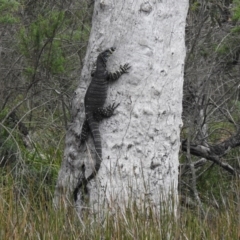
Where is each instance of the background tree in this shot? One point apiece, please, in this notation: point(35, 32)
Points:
point(211, 99)
point(141, 143)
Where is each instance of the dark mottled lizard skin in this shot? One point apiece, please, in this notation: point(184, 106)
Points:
point(95, 111)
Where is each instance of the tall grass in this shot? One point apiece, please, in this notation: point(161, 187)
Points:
point(31, 216)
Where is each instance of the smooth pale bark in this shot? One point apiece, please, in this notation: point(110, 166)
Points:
point(141, 141)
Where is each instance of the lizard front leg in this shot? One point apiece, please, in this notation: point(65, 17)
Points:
point(106, 112)
point(115, 75)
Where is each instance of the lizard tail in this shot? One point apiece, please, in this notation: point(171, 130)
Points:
point(94, 128)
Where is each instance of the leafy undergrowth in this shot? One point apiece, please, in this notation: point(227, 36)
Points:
point(30, 215)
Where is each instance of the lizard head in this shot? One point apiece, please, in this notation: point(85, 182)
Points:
point(105, 54)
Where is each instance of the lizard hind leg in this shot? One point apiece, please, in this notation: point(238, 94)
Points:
point(105, 112)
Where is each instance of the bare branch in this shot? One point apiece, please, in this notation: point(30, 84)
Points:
point(210, 153)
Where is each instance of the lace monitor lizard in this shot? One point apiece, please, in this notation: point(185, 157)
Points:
point(95, 111)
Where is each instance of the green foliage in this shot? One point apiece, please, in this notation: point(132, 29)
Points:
point(204, 52)
point(220, 131)
point(212, 183)
point(29, 71)
point(228, 49)
point(195, 6)
point(236, 10)
point(40, 172)
point(7, 10)
point(229, 44)
point(10, 141)
point(56, 59)
point(41, 41)
point(222, 49)
point(236, 30)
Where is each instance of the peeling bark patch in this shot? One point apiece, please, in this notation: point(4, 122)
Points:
point(129, 146)
point(163, 73)
point(154, 165)
point(105, 5)
point(146, 7)
point(146, 49)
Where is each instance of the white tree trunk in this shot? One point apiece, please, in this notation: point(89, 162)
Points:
point(141, 141)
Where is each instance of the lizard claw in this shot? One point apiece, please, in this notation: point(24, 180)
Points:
point(114, 107)
point(125, 67)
